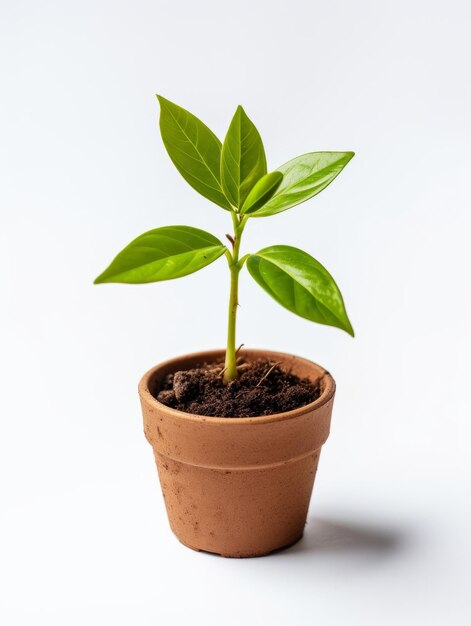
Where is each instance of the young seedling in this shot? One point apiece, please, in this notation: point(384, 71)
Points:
point(234, 176)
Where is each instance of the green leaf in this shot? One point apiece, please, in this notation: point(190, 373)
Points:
point(194, 149)
point(262, 191)
point(301, 284)
point(243, 158)
point(304, 177)
point(162, 254)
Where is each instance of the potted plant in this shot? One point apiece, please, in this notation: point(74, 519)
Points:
point(237, 434)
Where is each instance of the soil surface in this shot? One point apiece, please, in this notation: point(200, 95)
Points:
point(262, 388)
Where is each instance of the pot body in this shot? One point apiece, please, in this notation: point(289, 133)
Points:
point(237, 487)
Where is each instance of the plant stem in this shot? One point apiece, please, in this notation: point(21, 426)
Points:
point(230, 369)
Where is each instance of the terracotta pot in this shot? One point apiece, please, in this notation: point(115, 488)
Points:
point(238, 487)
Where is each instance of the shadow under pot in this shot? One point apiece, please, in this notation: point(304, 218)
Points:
point(238, 487)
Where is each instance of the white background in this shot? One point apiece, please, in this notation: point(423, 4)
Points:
point(83, 532)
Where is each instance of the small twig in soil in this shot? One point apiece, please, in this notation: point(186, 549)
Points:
point(239, 348)
point(243, 367)
point(267, 373)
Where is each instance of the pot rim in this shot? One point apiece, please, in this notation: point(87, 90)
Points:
point(326, 394)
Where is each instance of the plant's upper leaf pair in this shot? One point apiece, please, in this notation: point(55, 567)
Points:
point(225, 173)
point(234, 174)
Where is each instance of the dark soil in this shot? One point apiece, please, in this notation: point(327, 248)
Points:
point(262, 388)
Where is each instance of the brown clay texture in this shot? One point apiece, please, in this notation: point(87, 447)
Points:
point(238, 487)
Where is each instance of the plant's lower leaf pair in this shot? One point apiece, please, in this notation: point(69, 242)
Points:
point(292, 277)
point(234, 174)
